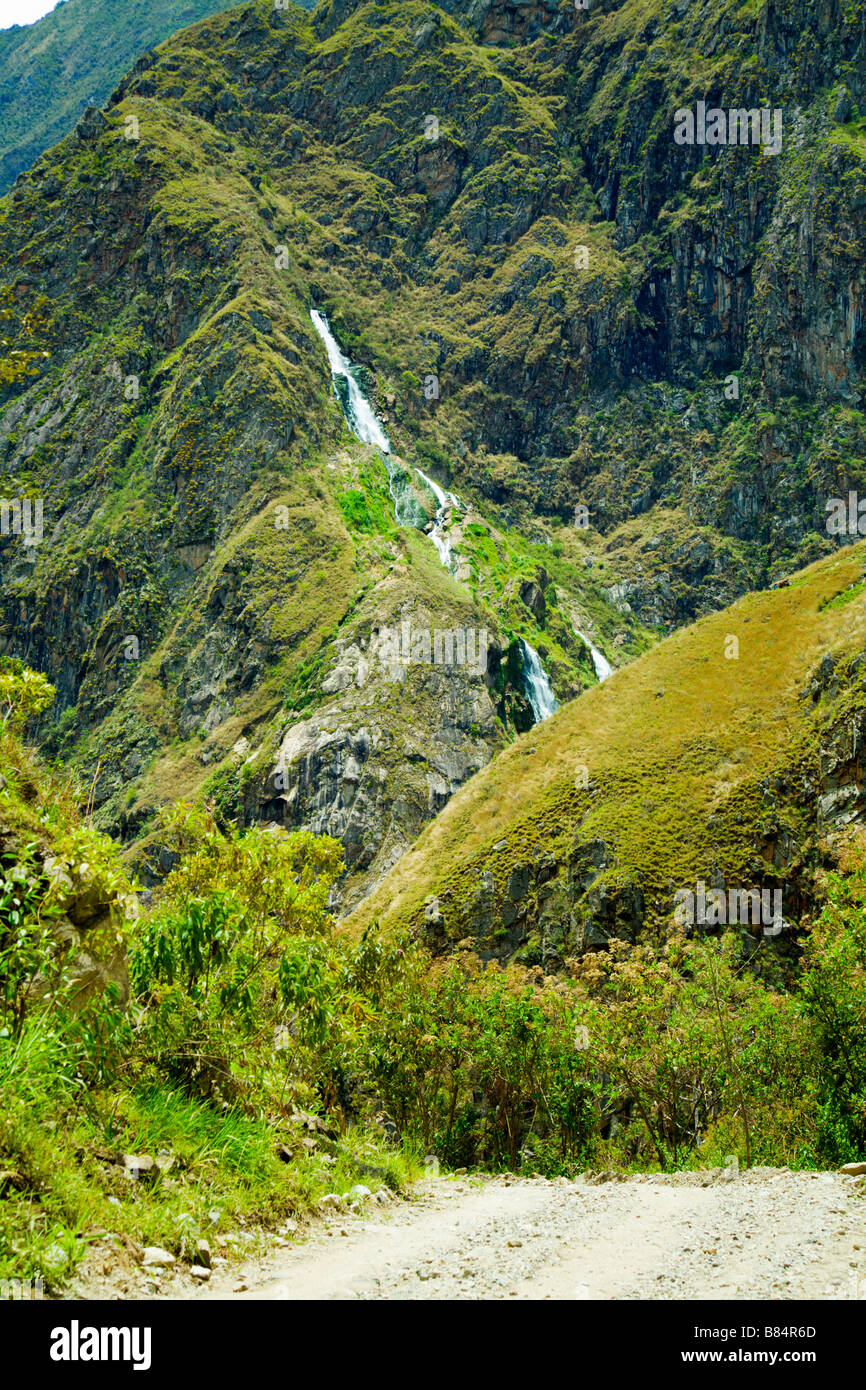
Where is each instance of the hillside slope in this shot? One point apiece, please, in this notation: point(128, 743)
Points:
point(730, 755)
point(70, 59)
point(223, 553)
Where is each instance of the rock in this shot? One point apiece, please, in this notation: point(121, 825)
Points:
point(203, 1254)
point(359, 1190)
point(314, 1123)
point(155, 1255)
point(853, 1170)
point(432, 915)
point(842, 109)
point(532, 596)
point(518, 883)
point(200, 1272)
point(91, 124)
point(140, 1167)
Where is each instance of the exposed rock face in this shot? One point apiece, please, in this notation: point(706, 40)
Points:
point(373, 784)
point(667, 336)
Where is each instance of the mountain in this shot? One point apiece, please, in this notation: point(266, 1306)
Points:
point(728, 756)
point(627, 366)
point(434, 429)
point(52, 70)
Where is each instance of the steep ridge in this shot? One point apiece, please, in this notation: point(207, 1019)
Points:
point(731, 755)
point(588, 333)
point(50, 71)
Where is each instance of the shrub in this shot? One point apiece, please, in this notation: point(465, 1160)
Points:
point(834, 997)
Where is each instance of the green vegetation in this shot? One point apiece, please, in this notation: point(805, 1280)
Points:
point(22, 350)
point(224, 555)
point(174, 1054)
point(44, 96)
point(242, 1010)
point(678, 747)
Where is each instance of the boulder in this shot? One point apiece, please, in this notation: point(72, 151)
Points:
point(140, 1167)
point(155, 1255)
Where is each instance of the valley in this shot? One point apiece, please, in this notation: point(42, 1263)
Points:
point(433, 716)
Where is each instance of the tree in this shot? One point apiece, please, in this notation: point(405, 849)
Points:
point(24, 694)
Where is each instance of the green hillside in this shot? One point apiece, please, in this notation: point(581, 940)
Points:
point(70, 59)
point(634, 442)
point(419, 583)
point(727, 755)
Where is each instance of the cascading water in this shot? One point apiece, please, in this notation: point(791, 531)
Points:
point(359, 414)
point(603, 668)
point(536, 685)
point(445, 500)
point(367, 427)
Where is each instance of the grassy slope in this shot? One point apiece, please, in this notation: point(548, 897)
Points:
point(677, 744)
point(51, 70)
point(62, 1184)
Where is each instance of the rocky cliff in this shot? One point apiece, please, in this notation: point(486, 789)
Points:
point(729, 759)
point(635, 360)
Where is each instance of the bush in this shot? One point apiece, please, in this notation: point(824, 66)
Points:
point(24, 694)
point(834, 996)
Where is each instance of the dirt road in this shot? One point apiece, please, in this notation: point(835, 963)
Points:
point(768, 1234)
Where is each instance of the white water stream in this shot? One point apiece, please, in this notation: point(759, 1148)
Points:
point(367, 427)
point(603, 668)
point(536, 684)
point(445, 501)
point(360, 416)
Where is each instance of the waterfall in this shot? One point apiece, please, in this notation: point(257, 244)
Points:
point(603, 668)
point(365, 424)
point(444, 500)
point(360, 417)
point(367, 427)
point(536, 685)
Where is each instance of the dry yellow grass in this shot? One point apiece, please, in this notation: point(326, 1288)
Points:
point(676, 746)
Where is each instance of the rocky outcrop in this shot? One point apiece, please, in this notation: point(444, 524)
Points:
point(379, 760)
point(562, 310)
